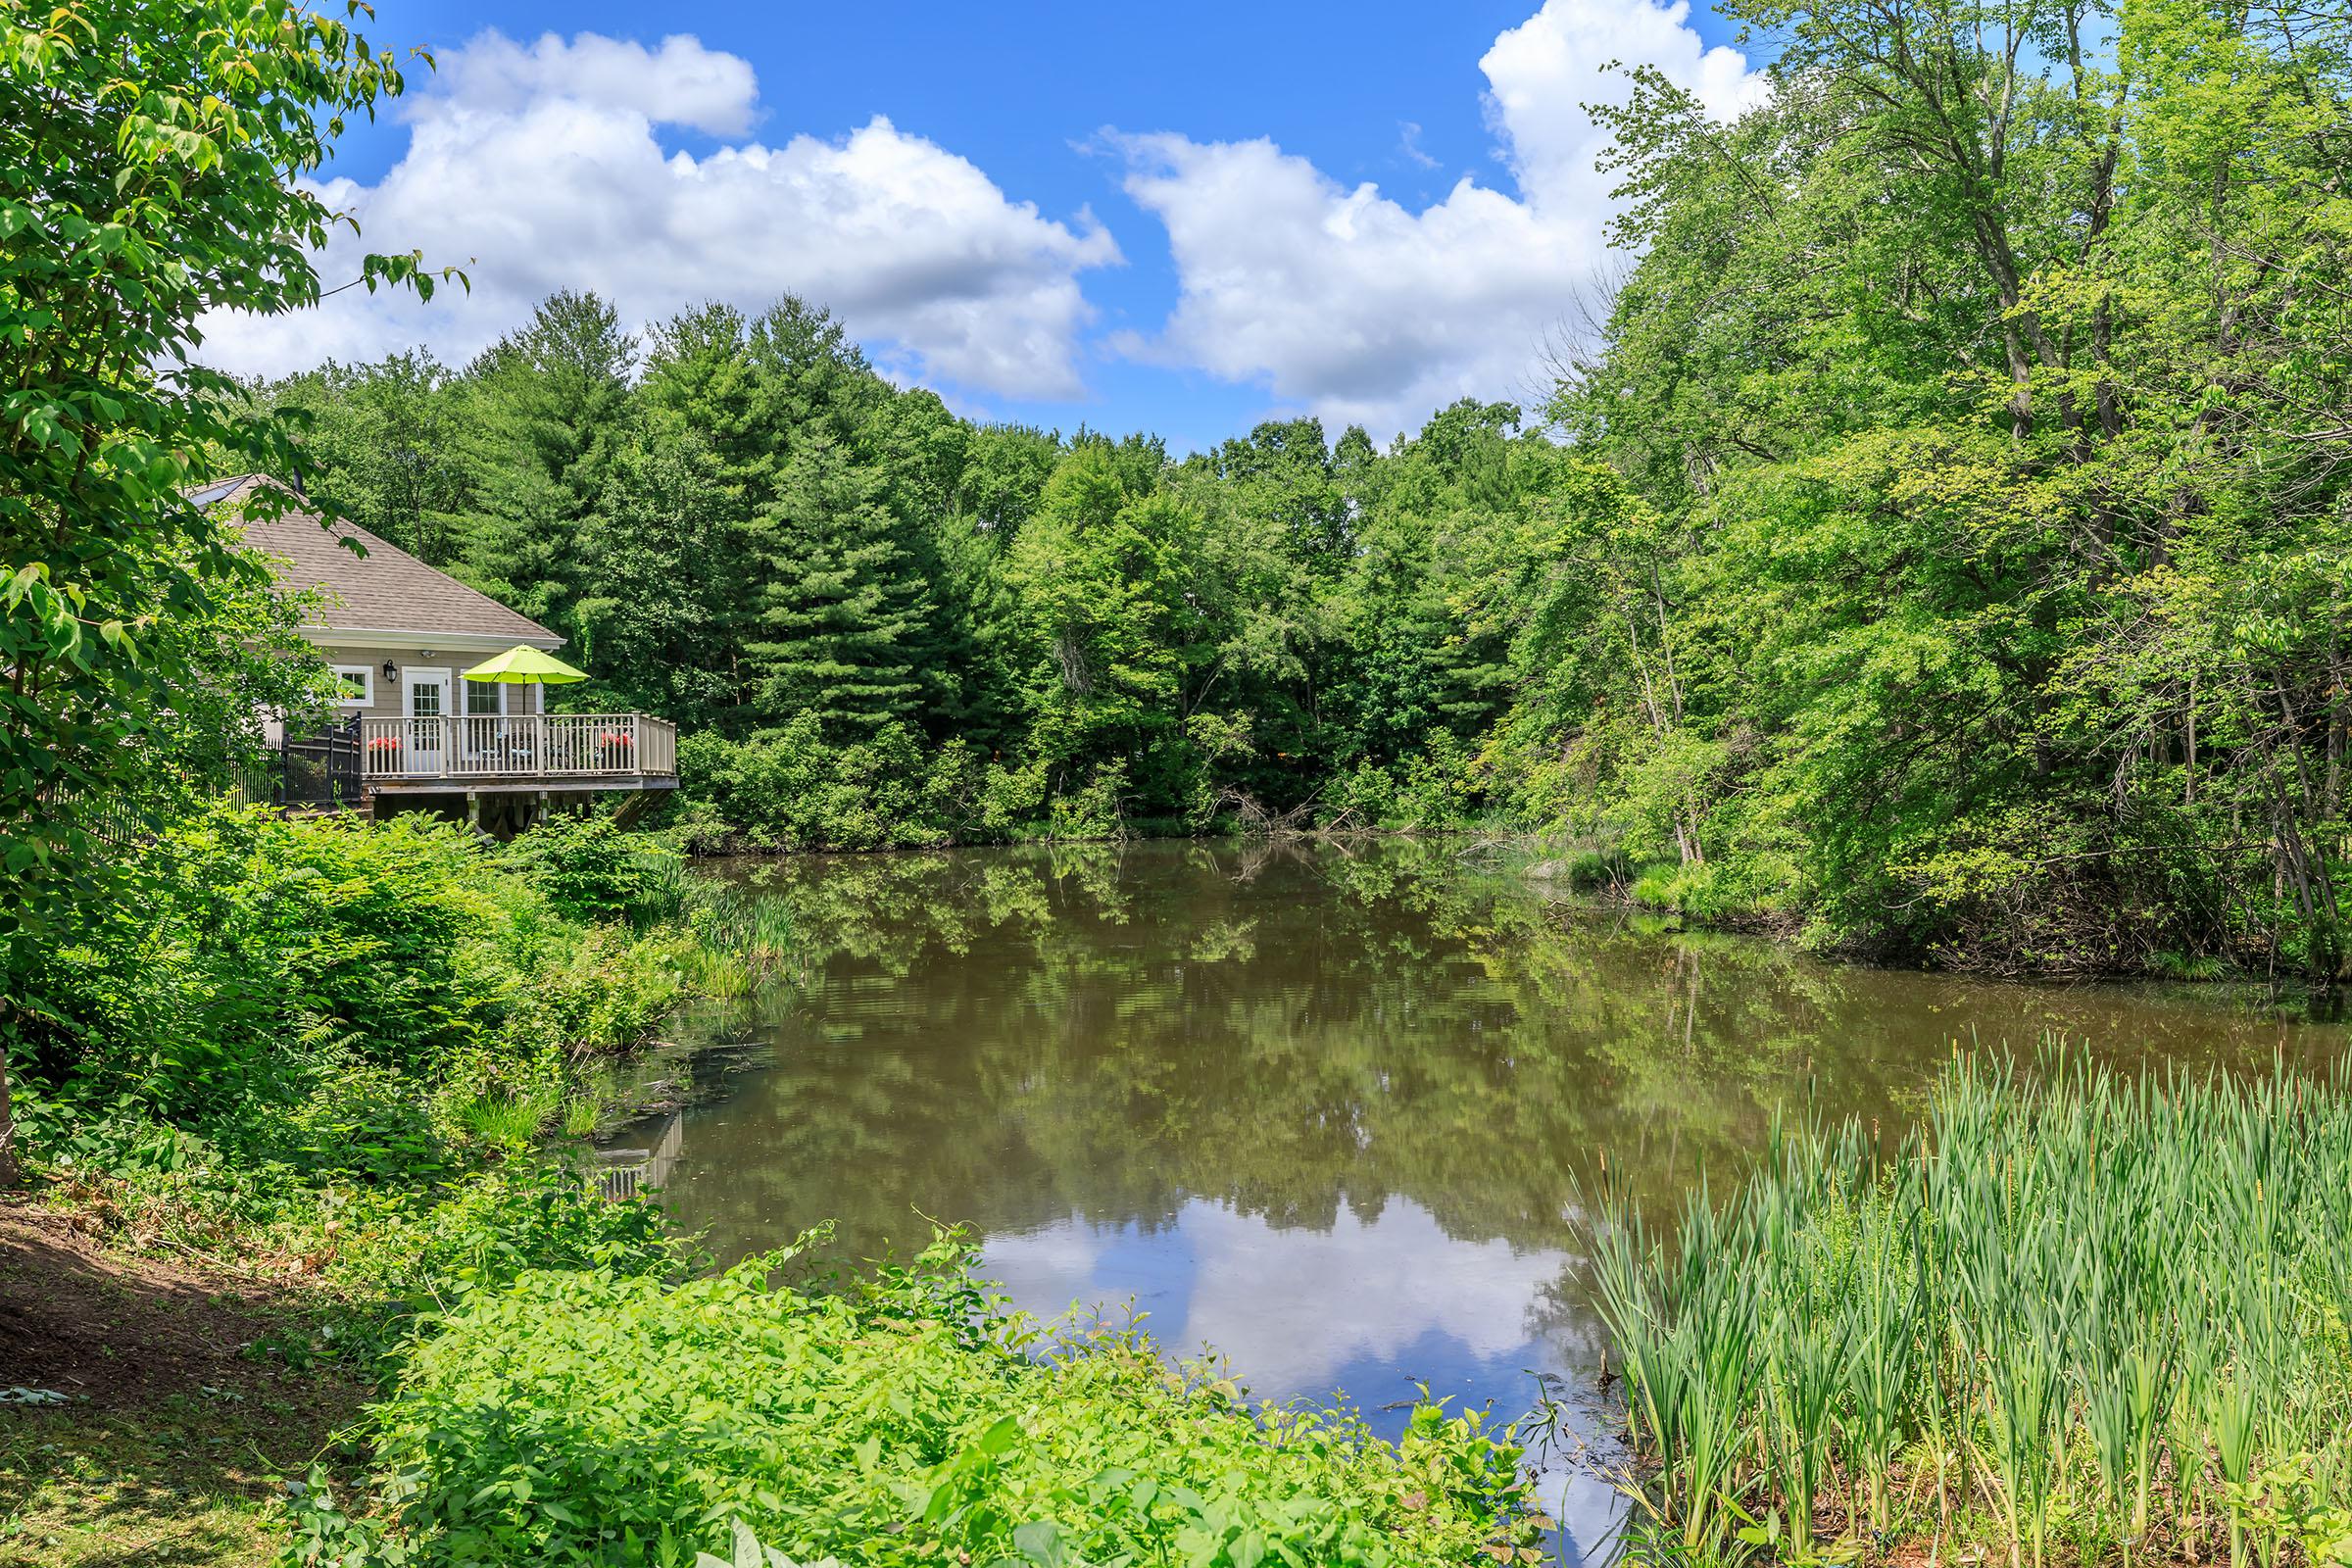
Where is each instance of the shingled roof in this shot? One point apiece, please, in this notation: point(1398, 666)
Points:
point(387, 590)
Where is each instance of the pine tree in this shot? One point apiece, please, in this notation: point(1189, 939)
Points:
point(843, 607)
point(548, 405)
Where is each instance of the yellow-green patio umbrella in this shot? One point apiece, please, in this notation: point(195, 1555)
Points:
point(523, 666)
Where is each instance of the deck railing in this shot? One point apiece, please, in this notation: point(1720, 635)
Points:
point(553, 746)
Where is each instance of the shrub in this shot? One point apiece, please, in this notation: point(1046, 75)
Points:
point(303, 1020)
point(1365, 798)
point(1591, 870)
point(585, 1418)
point(592, 870)
point(272, 959)
point(795, 790)
point(1097, 810)
point(1438, 787)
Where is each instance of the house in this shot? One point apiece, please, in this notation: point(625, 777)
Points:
point(400, 636)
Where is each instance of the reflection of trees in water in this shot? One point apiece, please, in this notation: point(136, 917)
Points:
point(1012, 1037)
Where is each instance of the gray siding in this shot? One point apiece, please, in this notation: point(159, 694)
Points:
point(387, 693)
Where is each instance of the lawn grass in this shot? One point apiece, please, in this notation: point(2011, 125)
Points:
point(190, 1482)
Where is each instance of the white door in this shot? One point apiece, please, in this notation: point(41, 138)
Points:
point(424, 700)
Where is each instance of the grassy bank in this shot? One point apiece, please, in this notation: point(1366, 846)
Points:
point(2077, 1319)
point(281, 1104)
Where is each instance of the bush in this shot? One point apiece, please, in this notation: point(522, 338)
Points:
point(1097, 810)
point(271, 961)
point(1363, 799)
point(1438, 787)
point(795, 790)
point(258, 949)
point(302, 1020)
point(1593, 871)
point(586, 1418)
point(592, 870)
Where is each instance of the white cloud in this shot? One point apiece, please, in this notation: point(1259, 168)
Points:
point(1343, 301)
point(680, 83)
point(538, 167)
point(1408, 140)
point(1293, 1308)
point(1050, 1267)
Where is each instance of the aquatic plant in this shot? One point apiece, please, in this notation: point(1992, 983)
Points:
point(2083, 1315)
point(742, 936)
point(505, 1120)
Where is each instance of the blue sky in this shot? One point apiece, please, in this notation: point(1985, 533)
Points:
point(1238, 210)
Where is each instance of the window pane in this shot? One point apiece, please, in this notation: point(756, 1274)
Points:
point(424, 699)
point(482, 696)
point(354, 685)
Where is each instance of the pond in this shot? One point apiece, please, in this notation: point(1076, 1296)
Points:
point(1324, 1108)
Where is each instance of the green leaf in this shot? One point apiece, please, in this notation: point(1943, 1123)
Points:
point(1039, 1541)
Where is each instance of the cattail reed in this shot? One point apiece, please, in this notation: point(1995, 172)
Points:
point(2077, 1318)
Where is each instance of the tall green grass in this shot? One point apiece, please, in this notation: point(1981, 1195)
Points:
point(2077, 1317)
point(744, 937)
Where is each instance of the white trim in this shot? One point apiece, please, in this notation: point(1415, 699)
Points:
point(367, 696)
point(461, 642)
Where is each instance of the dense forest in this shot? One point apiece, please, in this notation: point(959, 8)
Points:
point(884, 624)
point(1936, 541)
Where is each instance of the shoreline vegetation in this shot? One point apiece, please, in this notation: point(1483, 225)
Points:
point(1555, 865)
point(905, 1417)
point(279, 1108)
point(330, 1067)
point(2072, 1318)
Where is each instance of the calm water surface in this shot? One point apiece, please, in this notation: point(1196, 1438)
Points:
point(1323, 1109)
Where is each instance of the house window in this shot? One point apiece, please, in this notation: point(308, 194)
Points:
point(485, 696)
point(359, 686)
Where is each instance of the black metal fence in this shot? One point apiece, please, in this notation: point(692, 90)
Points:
point(321, 771)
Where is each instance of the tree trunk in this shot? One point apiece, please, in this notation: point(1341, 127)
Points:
point(8, 1127)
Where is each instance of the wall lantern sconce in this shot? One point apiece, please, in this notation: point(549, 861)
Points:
point(391, 671)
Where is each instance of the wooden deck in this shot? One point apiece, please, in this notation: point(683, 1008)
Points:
point(494, 752)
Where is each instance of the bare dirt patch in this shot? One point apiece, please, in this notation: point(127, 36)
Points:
point(173, 1434)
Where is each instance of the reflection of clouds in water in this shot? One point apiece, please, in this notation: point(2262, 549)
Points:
point(1047, 1269)
point(1365, 1306)
point(1294, 1309)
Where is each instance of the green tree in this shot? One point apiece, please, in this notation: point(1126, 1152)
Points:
point(1997, 363)
point(381, 444)
point(842, 608)
point(153, 166)
point(546, 407)
point(1102, 579)
point(658, 566)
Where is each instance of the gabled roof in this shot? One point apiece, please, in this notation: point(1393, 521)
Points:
point(388, 590)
